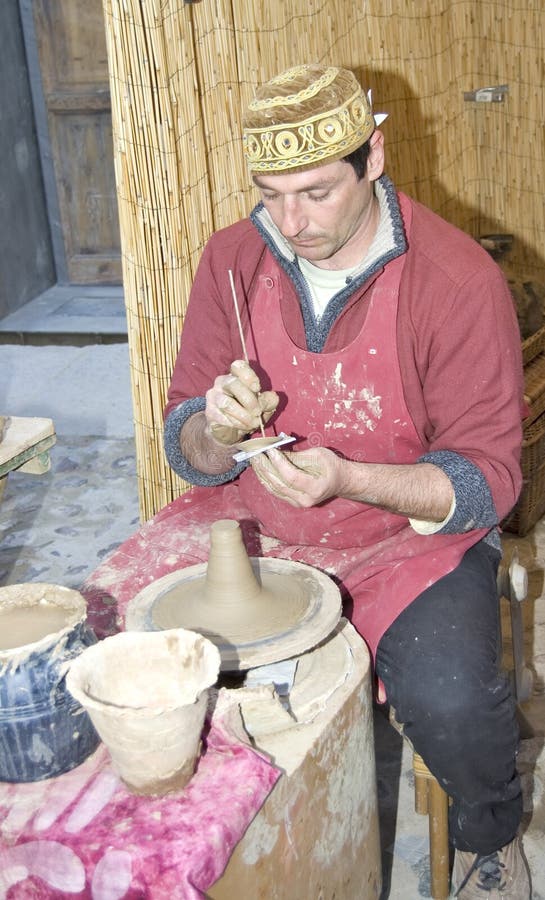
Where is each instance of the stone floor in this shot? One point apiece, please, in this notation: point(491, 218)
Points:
point(58, 527)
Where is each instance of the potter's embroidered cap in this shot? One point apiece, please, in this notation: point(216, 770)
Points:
point(305, 117)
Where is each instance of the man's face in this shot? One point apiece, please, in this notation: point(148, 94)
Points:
point(326, 214)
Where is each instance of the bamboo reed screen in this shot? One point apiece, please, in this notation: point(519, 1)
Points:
point(180, 74)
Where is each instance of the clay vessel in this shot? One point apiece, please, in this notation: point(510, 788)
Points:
point(146, 693)
point(43, 731)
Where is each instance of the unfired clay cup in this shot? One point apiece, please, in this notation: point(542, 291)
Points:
point(146, 694)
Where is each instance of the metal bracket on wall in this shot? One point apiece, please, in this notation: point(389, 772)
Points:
point(495, 94)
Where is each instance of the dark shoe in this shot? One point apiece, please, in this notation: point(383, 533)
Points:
point(502, 874)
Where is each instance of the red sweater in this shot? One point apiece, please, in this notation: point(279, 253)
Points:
point(457, 334)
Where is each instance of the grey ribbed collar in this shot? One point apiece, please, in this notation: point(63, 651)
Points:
point(388, 243)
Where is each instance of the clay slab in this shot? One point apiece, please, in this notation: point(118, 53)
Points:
point(162, 605)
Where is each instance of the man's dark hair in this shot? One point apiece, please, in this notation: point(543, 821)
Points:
point(358, 159)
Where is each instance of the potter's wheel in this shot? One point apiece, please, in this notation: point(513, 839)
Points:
point(256, 610)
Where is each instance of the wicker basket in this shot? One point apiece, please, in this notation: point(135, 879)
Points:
point(534, 388)
point(533, 346)
point(531, 503)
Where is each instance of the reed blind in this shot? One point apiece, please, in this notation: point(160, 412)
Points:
point(180, 74)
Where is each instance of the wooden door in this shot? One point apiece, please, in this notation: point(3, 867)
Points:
point(71, 48)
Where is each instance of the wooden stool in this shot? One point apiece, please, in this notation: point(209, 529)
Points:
point(24, 445)
point(431, 800)
point(429, 797)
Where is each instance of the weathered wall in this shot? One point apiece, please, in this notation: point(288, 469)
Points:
point(25, 248)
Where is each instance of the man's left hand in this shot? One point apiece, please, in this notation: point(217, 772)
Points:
point(303, 479)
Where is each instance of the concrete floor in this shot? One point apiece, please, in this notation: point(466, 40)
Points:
point(58, 527)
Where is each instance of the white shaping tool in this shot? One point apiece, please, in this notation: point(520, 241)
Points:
point(282, 438)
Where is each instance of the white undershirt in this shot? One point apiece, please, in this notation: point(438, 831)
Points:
point(324, 283)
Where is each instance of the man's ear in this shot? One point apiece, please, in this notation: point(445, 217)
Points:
point(375, 160)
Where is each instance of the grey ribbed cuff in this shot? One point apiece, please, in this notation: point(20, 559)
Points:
point(177, 461)
point(474, 504)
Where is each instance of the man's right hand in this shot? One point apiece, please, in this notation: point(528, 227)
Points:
point(235, 405)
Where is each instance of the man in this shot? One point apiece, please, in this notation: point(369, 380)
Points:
point(386, 342)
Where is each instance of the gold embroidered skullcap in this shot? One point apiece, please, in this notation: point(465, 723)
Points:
point(305, 117)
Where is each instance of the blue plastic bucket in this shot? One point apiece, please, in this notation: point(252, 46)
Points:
point(43, 730)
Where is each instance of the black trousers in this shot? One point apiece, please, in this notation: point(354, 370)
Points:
point(440, 667)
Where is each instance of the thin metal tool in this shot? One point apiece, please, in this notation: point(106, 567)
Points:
point(242, 341)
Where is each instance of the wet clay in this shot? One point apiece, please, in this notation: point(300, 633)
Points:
point(36, 613)
point(259, 443)
point(277, 604)
point(230, 599)
point(255, 610)
point(26, 625)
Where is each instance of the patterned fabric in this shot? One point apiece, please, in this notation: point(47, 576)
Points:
point(304, 117)
point(84, 834)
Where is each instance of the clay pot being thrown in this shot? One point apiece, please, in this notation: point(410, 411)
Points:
point(147, 697)
point(230, 596)
point(256, 610)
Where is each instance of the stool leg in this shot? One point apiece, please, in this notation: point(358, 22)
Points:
point(430, 798)
point(439, 849)
point(421, 805)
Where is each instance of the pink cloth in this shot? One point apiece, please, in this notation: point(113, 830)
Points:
point(83, 835)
